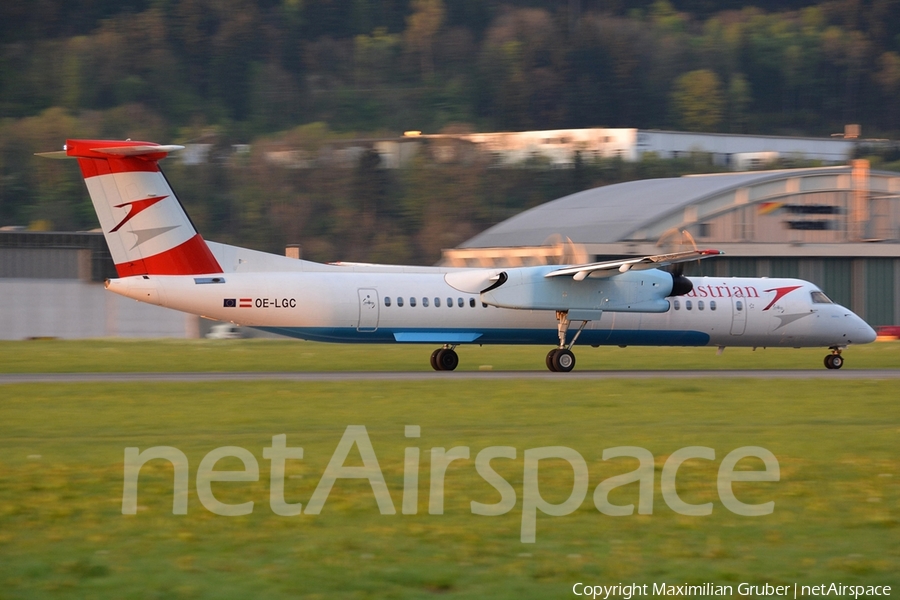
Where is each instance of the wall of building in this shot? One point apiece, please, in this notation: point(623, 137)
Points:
point(743, 151)
point(870, 286)
point(74, 309)
point(51, 285)
point(45, 263)
point(738, 152)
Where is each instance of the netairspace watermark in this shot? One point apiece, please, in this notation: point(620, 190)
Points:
point(627, 591)
point(441, 458)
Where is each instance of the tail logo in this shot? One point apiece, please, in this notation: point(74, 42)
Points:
point(780, 293)
point(142, 235)
point(135, 208)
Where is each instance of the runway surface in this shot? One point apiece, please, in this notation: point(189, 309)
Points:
point(11, 378)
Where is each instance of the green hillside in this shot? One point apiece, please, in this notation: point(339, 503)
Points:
point(298, 74)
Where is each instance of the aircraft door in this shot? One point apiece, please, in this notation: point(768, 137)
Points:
point(738, 316)
point(368, 309)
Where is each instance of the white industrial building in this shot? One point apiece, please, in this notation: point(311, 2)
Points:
point(561, 147)
point(738, 152)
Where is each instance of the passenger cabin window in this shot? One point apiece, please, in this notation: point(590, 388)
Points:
point(739, 305)
point(425, 302)
point(412, 301)
point(712, 305)
point(676, 305)
point(437, 302)
point(449, 302)
point(820, 298)
point(472, 302)
point(460, 303)
point(387, 300)
point(699, 304)
point(688, 305)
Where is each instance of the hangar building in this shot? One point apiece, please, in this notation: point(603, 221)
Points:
point(838, 227)
point(51, 285)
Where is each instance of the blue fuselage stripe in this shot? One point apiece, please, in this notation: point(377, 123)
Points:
point(599, 337)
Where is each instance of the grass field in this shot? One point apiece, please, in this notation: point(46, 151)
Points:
point(66, 356)
point(63, 534)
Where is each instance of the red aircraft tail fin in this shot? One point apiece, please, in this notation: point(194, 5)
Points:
point(146, 228)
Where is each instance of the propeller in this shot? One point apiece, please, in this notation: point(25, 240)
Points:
point(681, 285)
point(568, 252)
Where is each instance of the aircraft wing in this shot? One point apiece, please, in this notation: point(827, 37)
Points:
point(614, 267)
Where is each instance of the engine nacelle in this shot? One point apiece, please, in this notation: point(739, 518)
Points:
point(681, 285)
point(634, 291)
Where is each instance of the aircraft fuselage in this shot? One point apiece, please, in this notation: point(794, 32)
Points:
point(421, 307)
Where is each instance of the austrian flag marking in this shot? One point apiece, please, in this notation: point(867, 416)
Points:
point(237, 302)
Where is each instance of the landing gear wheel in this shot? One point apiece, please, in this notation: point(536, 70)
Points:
point(834, 361)
point(434, 363)
point(550, 356)
point(563, 360)
point(447, 359)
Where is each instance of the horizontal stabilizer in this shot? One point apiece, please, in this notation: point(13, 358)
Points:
point(107, 149)
point(137, 150)
point(54, 154)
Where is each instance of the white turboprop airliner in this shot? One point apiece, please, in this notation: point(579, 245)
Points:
point(162, 260)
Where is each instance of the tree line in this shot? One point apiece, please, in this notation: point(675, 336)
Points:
point(265, 71)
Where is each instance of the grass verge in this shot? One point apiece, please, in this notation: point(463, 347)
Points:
point(114, 355)
point(62, 533)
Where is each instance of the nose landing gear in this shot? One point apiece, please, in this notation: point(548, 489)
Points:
point(834, 360)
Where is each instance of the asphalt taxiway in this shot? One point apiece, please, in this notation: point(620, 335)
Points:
point(200, 377)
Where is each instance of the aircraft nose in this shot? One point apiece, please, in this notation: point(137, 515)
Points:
point(866, 334)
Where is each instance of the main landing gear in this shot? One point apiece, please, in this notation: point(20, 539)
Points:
point(834, 360)
point(561, 359)
point(444, 359)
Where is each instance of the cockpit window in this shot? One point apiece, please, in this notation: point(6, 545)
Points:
point(820, 298)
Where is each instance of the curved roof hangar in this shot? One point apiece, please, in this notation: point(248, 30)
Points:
point(644, 210)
